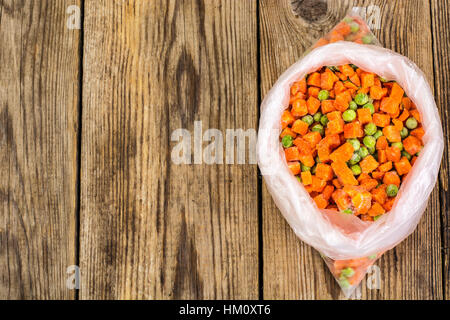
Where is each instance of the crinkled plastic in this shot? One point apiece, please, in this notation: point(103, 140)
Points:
point(342, 237)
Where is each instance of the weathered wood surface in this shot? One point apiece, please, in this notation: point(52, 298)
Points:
point(150, 228)
point(39, 64)
point(292, 270)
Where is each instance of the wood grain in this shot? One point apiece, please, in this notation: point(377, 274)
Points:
point(440, 13)
point(39, 64)
point(292, 270)
point(150, 228)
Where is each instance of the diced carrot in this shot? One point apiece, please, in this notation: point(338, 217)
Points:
point(309, 188)
point(397, 93)
point(385, 167)
point(391, 177)
point(313, 138)
point(342, 76)
point(323, 152)
point(392, 134)
point(299, 95)
point(313, 105)
point(363, 176)
point(321, 42)
point(339, 87)
point(364, 115)
point(306, 177)
point(294, 167)
point(363, 217)
point(353, 130)
point(299, 108)
point(367, 79)
point(379, 194)
point(324, 171)
point(292, 154)
point(389, 105)
point(376, 92)
point(369, 184)
point(307, 160)
point(327, 106)
point(318, 184)
point(389, 204)
point(288, 131)
point(335, 115)
point(418, 133)
point(377, 175)
point(412, 145)
point(403, 166)
point(342, 100)
point(286, 119)
point(303, 146)
point(320, 201)
point(413, 159)
point(343, 153)
point(335, 126)
point(344, 173)
point(313, 92)
point(406, 102)
point(326, 81)
point(404, 115)
point(382, 158)
point(393, 154)
point(347, 70)
point(355, 79)
point(361, 199)
point(368, 164)
point(350, 85)
point(300, 127)
point(328, 191)
point(376, 210)
point(398, 124)
point(336, 36)
point(382, 143)
point(415, 113)
point(381, 120)
point(314, 79)
point(337, 183)
point(341, 199)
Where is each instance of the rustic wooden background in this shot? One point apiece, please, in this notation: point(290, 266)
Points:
point(85, 172)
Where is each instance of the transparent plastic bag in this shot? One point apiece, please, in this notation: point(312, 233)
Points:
point(349, 245)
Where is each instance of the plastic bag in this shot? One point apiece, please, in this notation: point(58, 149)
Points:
point(349, 245)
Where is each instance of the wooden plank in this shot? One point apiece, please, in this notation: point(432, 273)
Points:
point(39, 64)
point(292, 270)
point(440, 13)
point(151, 228)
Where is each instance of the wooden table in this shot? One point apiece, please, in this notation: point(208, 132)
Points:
point(86, 177)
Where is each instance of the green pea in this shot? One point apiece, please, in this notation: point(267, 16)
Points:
point(324, 120)
point(391, 190)
point(353, 105)
point(305, 168)
point(308, 119)
point(378, 134)
point(353, 66)
point(369, 141)
point(355, 158)
point(411, 123)
point(372, 150)
point(354, 27)
point(355, 143)
point(347, 272)
point(348, 20)
point(375, 219)
point(404, 133)
point(323, 95)
point(370, 128)
point(347, 211)
point(349, 115)
point(299, 179)
point(361, 98)
point(287, 141)
point(317, 116)
point(406, 154)
point(367, 39)
point(373, 256)
point(344, 283)
point(318, 128)
point(398, 145)
point(356, 169)
point(383, 79)
point(363, 152)
point(370, 106)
